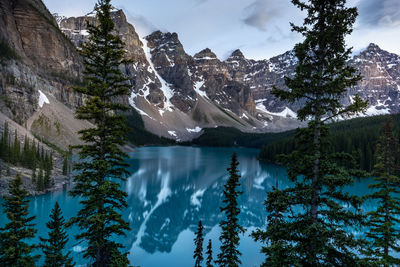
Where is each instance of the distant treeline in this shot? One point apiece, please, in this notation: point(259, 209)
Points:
point(228, 137)
point(29, 155)
point(137, 133)
point(356, 136)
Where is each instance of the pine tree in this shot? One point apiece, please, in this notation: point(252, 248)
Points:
point(54, 245)
point(14, 251)
point(383, 221)
point(40, 181)
point(230, 228)
point(102, 162)
point(25, 153)
point(198, 242)
point(209, 261)
point(34, 176)
point(47, 179)
point(65, 166)
point(312, 215)
point(5, 144)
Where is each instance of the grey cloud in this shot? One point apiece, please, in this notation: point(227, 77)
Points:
point(379, 13)
point(260, 13)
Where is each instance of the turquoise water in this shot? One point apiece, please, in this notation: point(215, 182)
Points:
point(170, 189)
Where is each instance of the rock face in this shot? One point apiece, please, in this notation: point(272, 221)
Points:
point(43, 58)
point(176, 94)
point(381, 80)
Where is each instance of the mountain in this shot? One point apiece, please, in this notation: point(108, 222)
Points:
point(176, 94)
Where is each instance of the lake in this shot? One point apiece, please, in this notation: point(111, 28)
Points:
point(170, 189)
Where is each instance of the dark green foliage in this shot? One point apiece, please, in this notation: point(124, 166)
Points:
point(14, 251)
point(230, 228)
point(102, 164)
point(65, 166)
point(5, 143)
point(198, 242)
point(40, 183)
point(308, 221)
point(6, 52)
point(138, 135)
point(356, 136)
point(28, 157)
point(209, 260)
point(34, 176)
point(54, 245)
point(228, 137)
point(383, 222)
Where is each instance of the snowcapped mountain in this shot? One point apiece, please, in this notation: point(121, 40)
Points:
point(176, 94)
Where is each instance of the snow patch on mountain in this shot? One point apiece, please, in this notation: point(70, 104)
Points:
point(194, 130)
point(197, 87)
point(287, 112)
point(43, 99)
point(167, 91)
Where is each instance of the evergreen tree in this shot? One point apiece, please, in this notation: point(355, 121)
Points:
point(312, 216)
point(16, 148)
point(5, 144)
point(209, 260)
point(25, 153)
point(229, 255)
point(198, 242)
point(383, 222)
point(34, 176)
point(47, 179)
point(14, 251)
point(54, 245)
point(102, 162)
point(40, 181)
point(65, 166)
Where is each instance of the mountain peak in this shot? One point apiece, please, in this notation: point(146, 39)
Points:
point(205, 54)
point(237, 54)
point(167, 36)
point(372, 46)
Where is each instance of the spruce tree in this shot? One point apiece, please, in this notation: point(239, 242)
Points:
point(5, 144)
point(40, 181)
point(209, 260)
point(383, 222)
point(16, 148)
point(102, 164)
point(14, 251)
point(54, 245)
point(312, 216)
point(198, 242)
point(65, 166)
point(34, 176)
point(47, 182)
point(230, 227)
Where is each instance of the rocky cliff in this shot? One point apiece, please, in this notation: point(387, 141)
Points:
point(175, 93)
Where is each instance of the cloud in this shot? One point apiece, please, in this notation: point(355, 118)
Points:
point(260, 13)
point(379, 13)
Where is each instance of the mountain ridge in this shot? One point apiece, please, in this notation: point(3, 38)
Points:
point(177, 94)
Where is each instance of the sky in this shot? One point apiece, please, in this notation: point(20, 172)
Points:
point(259, 28)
